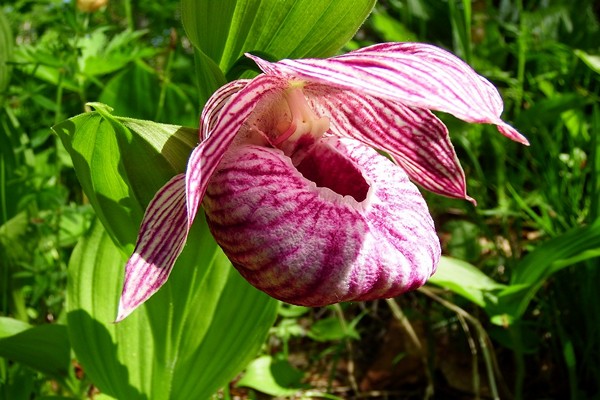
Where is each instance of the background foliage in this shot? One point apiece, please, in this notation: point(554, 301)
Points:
point(513, 311)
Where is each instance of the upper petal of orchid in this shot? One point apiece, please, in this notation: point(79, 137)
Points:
point(415, 74)
point(221, 120)
point(416, 138)
point(162, 235)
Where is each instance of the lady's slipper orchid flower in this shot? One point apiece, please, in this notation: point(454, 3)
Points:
point(293, 190)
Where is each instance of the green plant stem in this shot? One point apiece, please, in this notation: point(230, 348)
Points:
point(401, 317)
point(3, 190)
point(340, 314)
point(58, 167)
point(595, 172)
point(488, 355)
point(521, 59)
point(129, 15)
point(166, 80)
point(474, 354)
point(515, 334)
point(461, 27)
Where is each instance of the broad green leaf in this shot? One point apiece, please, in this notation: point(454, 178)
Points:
point(11, 326)
point(103, 348)
point(273, 377)
point(187, 341)
point(122, 162)
point(226, 29)
point(44, 348)
point(204, 325)
point(466, 280)
point(6, 49)
point(329, 329)
point(210, 76)
point(577, 245)
point(292, 311)
point(592, 61)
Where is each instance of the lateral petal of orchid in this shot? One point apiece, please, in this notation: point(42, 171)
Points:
point(416, 138)
point(415, 74)
point(162, 235)
point(214, 105)
point(226, 112)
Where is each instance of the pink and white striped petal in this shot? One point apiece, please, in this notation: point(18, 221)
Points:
point(415, 74)
point(222, 118)
point(161, 239)
point(214, 105)
point(345, 225)
point(416, 138)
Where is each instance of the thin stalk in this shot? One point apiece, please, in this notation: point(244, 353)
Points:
point(515, 335)
point(521, 59)
point(461, 27)
point(491, 365)
point(166, 79)
point(474, 358)
point(595, 173)
point(401, 317)
point(57, 144)
point(3, 190)
point(129, 15)
point(340, 314)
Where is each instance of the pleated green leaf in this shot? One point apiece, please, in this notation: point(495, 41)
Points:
point(187, 341)
point(466, 280)
point(224, 30)
point(210, 76)
point(44, 348)
point(204, 325)
point(122, 162)
point(505, 304)
point(577, 245)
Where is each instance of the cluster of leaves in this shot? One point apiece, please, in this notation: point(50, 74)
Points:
point(516, 296)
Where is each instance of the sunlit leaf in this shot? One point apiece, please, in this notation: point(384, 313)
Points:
point(273, 377)
point(531, 273)
point(466, 280)
point(592, 61)
point(224, 30)
point(204, 325)
point(329, 329)
point(11, 326)
point(44, 348)
point(112, 156)
point(187, 341)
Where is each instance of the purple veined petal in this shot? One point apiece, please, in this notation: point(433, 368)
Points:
point(231, 105)
point(212, 108)
point(161, 239)
point(349, 226)
point(416, 74)
point(416, 138)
